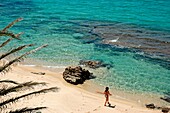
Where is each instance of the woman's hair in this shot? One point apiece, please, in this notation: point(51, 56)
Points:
point(106, 89)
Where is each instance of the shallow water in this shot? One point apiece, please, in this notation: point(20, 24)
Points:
point(132, 37)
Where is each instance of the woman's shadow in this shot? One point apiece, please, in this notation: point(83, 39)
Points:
point(111, 106)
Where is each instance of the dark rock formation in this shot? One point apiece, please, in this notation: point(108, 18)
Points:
point(38, 73)
point(165, 110)
point(94, 64)
point(151, 106)
point(76, 75)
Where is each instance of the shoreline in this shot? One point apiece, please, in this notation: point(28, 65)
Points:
point(89, 85)
point(135, 96)
point(72, 98)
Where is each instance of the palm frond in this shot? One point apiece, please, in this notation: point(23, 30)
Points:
point(20, 87)
point(6, 42)
point(12, 100)
point(4, 32)
point(15, 86)
point(11, 24)
point(34, 50)
point(10, 34)
point(14, 50)
point(3, 68)
point(8, 81)
point(27, 110)
point(4, 71)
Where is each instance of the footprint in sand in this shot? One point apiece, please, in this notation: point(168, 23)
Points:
point(97, 108)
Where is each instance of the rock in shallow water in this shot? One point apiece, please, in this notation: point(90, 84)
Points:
point(94, 64)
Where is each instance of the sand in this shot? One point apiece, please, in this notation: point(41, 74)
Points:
point(69, 98)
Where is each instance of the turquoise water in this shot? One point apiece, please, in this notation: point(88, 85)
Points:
point(80, 30)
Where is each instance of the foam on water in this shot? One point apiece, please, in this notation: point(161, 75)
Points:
point(114, 40)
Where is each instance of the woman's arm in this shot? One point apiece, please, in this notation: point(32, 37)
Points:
point(109, 93)
point(100, 92)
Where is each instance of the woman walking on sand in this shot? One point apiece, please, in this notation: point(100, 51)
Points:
point(107, 94)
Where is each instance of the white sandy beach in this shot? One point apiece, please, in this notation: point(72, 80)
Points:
point(69, 98)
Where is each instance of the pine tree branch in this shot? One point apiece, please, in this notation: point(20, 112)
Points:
point(11, 24)
point(20, 87)
point(27, 110)
point(12, 100)
point(20, 57)
point(14, 50)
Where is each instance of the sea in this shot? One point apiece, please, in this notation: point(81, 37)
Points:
point(131, 36)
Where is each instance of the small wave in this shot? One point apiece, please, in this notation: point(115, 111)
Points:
point(55, 66)
point(29, 65)
point(78, 35)
point(46, 66)
point(140, 53)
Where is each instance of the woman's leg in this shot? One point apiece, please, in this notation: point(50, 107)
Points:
point(107, 100)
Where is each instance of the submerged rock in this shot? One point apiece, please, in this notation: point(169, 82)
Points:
point(76, 75)
point(166, 98)
point(91, 64)
point(94, 64)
